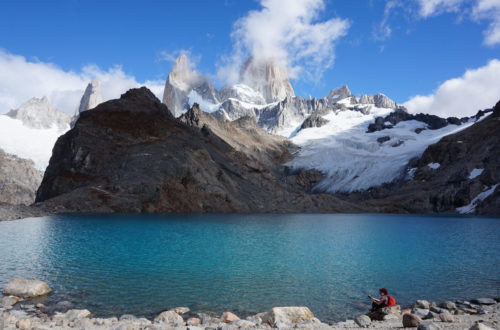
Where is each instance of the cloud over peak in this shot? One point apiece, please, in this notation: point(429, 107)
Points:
point(289, 32)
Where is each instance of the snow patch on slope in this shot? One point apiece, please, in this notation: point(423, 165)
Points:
point(471, 207)
point(352, 159)
point(475, 173)
point(28, 143)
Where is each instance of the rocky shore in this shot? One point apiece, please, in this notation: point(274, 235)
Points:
point(18, 310)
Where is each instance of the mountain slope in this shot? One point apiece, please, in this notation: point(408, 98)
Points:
point(131, 155)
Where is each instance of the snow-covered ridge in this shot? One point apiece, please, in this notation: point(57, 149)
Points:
point(38, 113)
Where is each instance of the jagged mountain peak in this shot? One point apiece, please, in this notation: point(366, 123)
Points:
point(92, 96)
point(268, 77)
point(340, 93)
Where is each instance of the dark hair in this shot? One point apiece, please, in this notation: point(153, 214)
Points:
point(383, 290)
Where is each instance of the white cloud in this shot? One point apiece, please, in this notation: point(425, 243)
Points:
point(23, 79)
point(477, 89)
point(289, 32)
point(477, 10)
point(383, 30)
point(434, 7)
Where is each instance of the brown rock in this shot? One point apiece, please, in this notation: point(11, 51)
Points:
point(228, 317)
point(411, 321)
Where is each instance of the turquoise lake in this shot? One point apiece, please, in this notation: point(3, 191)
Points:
point(142, 265)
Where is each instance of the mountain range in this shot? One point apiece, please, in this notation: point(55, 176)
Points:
point(253, 147)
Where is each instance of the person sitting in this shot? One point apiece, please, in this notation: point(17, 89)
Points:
point(384, 301)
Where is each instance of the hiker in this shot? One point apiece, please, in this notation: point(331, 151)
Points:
point(384, 301)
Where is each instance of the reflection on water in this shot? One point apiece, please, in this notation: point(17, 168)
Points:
point(248, 263)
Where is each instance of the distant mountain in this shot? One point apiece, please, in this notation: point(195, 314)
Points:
point(31, 131)
point(38, 113)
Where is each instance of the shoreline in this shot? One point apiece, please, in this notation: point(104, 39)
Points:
point(475, 314)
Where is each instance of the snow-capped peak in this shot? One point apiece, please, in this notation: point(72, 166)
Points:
point(38, 113)
point(340, 93)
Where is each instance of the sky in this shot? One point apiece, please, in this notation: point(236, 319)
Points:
point(434, 56)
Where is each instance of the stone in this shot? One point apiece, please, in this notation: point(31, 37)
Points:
point(449, 305)
point(244, 324)
point(40, 306)
point(23, 324)
point(170, 318)
point(363, 321)
point(411, 320)
point(74, 314)
point(459, 312)
point(436, 309)
point(255, 319)
point(193, 321)
point(424, 304)
point(446, 317)
point(125, 317)
point(480, 326)
point(427, 326)
point(26, 288)
point(181, 310)
point(228, 317)
point(287, 315)
point(8, 302)
point(484, 301)
point(431, 315)
point(420, 312)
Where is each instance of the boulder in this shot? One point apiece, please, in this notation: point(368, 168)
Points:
point(484, 301)
point(74, 314)
point(228, 317)
point(446, 317)
point(287, 315)
point(436, 309)
point(411, 320)
point(431, 315)
point(449, 305)
point(180, 310)
point(480, 326)
point(170, 318)
point(194, 321)
point(424, 304)
point(8, 302)
point(420, 312)
point(363, 321)
point(427, 326)
point(26, 288)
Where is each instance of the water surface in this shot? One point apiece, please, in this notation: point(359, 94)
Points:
point(143, 264)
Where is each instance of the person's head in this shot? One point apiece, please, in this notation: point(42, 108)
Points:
point(383, 292)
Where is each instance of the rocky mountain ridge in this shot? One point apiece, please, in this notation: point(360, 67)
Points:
point(38, 113)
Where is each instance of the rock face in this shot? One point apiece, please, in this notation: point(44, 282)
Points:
point(39, 113)
point(26, 288)
point(182, 82)
point(91, 97)
point(380, 101)
point(450, 188)
point(339, 93)
point(131, 155)
point(19, 179)
point(268, 78)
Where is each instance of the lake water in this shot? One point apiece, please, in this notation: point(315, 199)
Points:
point(142, 265)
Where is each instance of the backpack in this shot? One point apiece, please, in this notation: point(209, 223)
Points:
point(391, 301)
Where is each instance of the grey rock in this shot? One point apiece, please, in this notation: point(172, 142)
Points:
point(75, 314)
point(169, 318)
point(431, 315)
point(339, 93)
point(449, 305)
point(127, 317)
point(420, 312)
point(424, 304)
point(287, 315)
point(427, 326)
point(480, 326)
point(26, 288)
point(8, 302)
point(363, 321)
point(436, 309)
point(483, 301)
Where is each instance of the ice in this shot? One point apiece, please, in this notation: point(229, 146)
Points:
point(26, 142)
point(470, 208)
point(434, 166)
point(475, 173)
point(352, 159)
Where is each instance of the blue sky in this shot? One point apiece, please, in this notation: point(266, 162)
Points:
point(421, 52)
